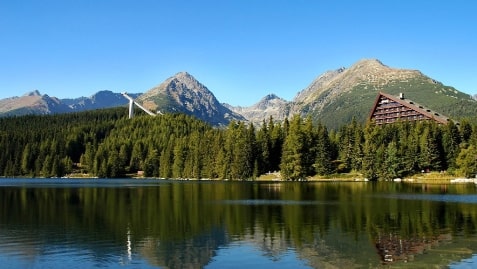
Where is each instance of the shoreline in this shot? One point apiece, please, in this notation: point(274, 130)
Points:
point(420, 179)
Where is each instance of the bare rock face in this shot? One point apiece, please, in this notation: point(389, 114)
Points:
point(183, 93)
point(269, 106)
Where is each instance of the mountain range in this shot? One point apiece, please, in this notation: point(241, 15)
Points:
point(333, 98)
point(41, 104)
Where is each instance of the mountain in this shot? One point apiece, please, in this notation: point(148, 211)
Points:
point(36, 103)
point(183, 93)
point(336, 97)
point(269, 106)
point(99, 100)
point(32, 103)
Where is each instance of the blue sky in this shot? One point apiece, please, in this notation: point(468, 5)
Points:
point(241, 50)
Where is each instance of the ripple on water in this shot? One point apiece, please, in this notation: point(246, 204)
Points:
point(450, 198)
point(57, 249)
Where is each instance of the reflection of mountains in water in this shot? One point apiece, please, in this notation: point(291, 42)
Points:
point(195, 252)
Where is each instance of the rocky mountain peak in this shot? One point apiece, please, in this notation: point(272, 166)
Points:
point(184, 76)
point(370, 62)
point(269, 106)
point(183, 93)
point(368, 66)
point(33, 93)
point(187, 80)
point(269, 97)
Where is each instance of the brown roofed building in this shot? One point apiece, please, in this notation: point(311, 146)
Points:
point(389, 109)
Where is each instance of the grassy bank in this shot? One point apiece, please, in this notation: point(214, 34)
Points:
point(427, 178)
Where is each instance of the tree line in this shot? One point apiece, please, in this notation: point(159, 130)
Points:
point(105, 143)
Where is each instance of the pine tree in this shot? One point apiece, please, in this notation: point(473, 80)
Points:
point(151, 163)
point(357, 152)
point(180, 154)
point(242, 140)
point(391, 164)
point(451, 140)
point(137, 157)
point(47, 166)
point(27, 160)
point(467, 162)
point(369, 165)
point(277, 137)
point(263, 148)
point(324, 155)
point(310, 146)
point(431, 156)
point(293, 155)
point(114, 169)
point(165, 160)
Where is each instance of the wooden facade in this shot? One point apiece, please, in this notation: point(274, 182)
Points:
point(388, 109)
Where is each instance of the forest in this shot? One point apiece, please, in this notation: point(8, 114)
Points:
point(105, 143)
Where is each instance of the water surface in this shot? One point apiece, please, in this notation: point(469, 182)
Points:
point(127, 223)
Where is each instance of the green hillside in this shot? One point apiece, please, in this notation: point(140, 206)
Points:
point(358, 102)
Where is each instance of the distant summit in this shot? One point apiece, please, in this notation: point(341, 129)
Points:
point(33, 93)
point(31, 103)
point(269, 106)
point(34, 103)
point(184, 94)
point(99, 100)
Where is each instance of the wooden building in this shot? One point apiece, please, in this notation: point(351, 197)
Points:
point(388, 109)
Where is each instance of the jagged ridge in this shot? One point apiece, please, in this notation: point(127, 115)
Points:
point(269, 106)
point(183, 93)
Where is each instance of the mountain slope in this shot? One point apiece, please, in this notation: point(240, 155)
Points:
point(32, 103)
point(337, 97)
point(99, 100)
point(183, 93)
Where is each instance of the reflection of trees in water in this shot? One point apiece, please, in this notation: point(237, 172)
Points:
point(195, 252)
point(180, 225)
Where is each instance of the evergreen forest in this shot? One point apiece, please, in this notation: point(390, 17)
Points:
point(105, 143)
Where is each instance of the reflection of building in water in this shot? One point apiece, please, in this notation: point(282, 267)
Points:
point(392, 247)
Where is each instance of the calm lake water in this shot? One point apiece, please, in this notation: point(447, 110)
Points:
point(104, 223)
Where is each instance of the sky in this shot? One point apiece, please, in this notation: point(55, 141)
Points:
point(241, 50)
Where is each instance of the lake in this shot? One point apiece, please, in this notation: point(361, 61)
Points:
point(129, 223)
